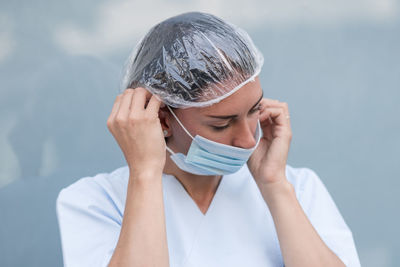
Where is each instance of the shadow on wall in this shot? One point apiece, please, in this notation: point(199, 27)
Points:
point(60, 136)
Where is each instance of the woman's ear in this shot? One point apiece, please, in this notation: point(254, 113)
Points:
point(163, 114)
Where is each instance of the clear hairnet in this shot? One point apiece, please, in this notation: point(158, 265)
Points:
point(193, 60)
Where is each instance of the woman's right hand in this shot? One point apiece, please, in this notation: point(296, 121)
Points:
point(137, 130)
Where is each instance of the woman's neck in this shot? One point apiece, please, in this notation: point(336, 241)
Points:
point(200, 187)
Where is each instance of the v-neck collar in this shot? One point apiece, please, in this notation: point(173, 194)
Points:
point(191, 200)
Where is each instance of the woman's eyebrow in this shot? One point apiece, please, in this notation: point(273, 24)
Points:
point(234, 116)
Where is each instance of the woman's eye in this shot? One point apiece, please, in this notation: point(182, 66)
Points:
point(219, 128)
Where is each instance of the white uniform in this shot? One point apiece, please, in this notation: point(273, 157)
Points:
point(237, 230)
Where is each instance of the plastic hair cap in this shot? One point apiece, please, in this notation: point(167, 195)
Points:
point(193, 59)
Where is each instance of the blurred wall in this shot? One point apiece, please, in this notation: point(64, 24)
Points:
point(336, 63)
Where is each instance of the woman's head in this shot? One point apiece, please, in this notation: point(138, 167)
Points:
point(193, 60)
point(195, 63)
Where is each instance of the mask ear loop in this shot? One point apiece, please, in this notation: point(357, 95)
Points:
point(180, 122)
point(169, 149)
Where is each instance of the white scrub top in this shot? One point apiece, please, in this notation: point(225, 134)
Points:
point(237, 229)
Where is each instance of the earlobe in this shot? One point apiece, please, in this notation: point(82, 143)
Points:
point(164, 120)
point(165, 133)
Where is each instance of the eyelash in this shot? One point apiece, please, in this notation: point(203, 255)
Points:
point(220, 128)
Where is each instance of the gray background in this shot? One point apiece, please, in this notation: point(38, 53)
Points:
point(336, 63)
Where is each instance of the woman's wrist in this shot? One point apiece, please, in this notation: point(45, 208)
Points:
point(144, 176)
point(273, 192)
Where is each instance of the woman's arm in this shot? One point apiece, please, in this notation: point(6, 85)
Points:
point(300, 244)
point(136, 127)
point(142, 241)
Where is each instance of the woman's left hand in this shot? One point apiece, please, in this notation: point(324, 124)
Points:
point(268, 162)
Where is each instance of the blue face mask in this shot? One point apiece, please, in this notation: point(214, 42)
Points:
point(206, 157)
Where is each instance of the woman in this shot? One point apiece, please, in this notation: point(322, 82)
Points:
point(206, 181)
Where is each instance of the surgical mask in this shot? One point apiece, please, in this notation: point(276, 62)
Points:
point(206, 157)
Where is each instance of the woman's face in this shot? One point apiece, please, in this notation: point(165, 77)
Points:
point(232, 121)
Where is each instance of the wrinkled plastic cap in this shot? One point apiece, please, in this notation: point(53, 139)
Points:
point(193, 60)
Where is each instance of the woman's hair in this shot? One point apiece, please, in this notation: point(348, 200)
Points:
point(192, 59)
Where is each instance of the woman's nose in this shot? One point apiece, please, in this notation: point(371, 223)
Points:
point(244, 136)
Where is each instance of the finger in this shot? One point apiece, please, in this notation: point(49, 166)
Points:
point(275, 115)
point(154, 104)
point(139, 99)
point(266, 103)
point(115, 107)
point(275, 103)
point(126, 100)
point(270, 100)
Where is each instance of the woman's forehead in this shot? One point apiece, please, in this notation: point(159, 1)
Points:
point(238, 102)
